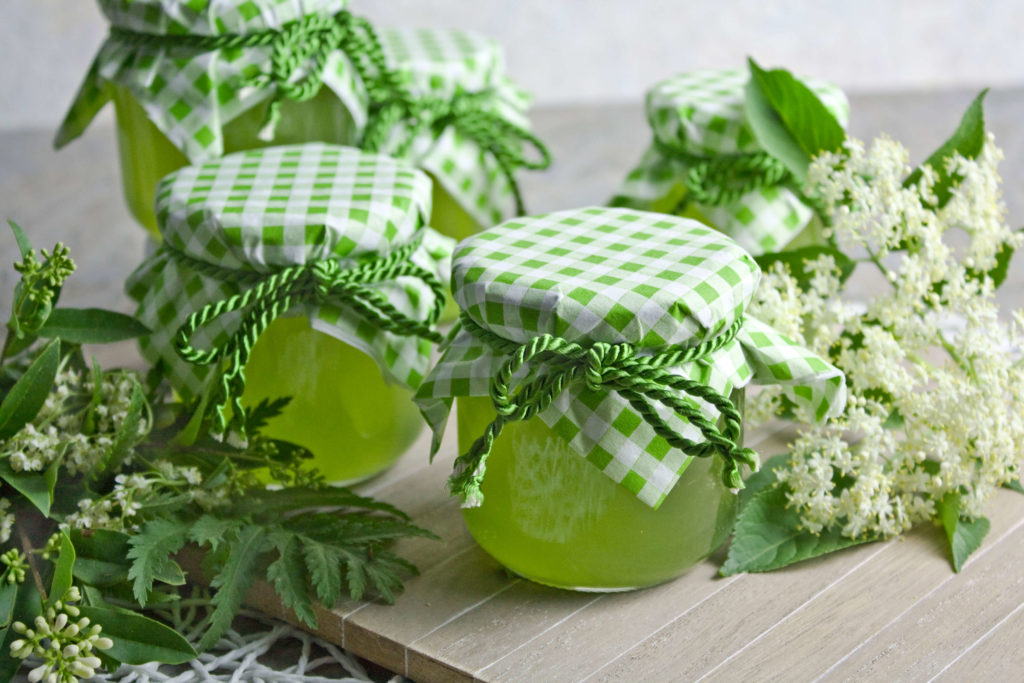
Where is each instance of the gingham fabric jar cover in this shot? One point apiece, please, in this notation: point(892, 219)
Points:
point(700, 115)
point(259, 211)
point(617, 276)
point(190, 94)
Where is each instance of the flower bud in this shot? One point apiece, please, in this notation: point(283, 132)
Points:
point(36, 674)
point(60, 622)
point(70, 651)
point(79, 669)
point(103, 643)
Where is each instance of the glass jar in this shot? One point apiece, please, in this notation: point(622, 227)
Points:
point(699, 125)
point(356, 424)
point(550, 516)
point(147, 155)
point(350, 326)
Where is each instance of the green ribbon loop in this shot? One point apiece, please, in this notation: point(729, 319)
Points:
point(555, 364)
point(470, 114)
point(299, 52)
point(265, 297)
point(718, 180)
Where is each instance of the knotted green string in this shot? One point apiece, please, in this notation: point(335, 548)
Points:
point(641, 380)
point(266, 296)
point(718, 180)
point(298, 54)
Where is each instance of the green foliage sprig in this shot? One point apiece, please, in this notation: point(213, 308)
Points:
point(99, 494)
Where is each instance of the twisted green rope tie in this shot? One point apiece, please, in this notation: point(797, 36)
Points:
point(641, 380)
point(714, 181)
point(298, 54)
point(267, 296)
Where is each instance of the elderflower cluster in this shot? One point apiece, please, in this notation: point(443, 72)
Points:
point(936, 376)
point(73, 426)
point(64, 642)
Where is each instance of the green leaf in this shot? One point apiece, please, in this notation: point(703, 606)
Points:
point(767, 536)
point(967, 140)
point(127, 437)
point(324, 564)
point(24, 244)
point(234, 581)
point(37, 487)
point(288, 574)
point(1000, 270)
point(257, 418)
point(102, 557)
point(788, 119)
point(138, 639)
point(63, 571)
point(8, 598)
point(28, 395)
point(270, 501)
point(1014, 485)
point(964, 535)
point(91, 326)
point(796, 260)
point(764, 477)
point(211, 531)
point(151, 551)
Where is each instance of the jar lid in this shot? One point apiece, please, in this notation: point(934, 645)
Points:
point(619, 330)
point(212, 17)
point(292, 204)
point(702, 113)
point(603, 275)
point(347, 226)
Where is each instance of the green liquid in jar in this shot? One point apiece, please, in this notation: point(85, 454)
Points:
point(342, 410)
point(552, 517)
point(147, 155)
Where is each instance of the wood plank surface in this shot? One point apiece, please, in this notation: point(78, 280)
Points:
point(883, 611)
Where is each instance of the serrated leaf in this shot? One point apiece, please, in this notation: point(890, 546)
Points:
point(212, 531)
point(91, 326)
point(964, 535)
point(138, 639)
point(788, 119)
point(37, 487)
point(151, 551)
point(257, 417)
point(967, 140)
point(27, 396)
point(796, 260)
point(767, 536)
point(63, 571)
point(24, 244)
point(234, 581)
point(288, 574)
point(324, 564)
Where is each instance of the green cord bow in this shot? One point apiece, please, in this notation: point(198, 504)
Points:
point(641, 380)
point(299, 52)
point(267, 296)
point(718, 180)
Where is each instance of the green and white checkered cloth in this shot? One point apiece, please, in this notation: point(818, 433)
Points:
point(446, 63)
point(618, 276)
point(190, 96)
point(701, 114)
point(263, 210)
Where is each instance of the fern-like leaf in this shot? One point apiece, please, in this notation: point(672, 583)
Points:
point(234, 580)
point(212, 531)
point(288, 574)
point(150, 553)
point(324, 564)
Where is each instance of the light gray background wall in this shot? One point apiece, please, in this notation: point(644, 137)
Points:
point(580, 51)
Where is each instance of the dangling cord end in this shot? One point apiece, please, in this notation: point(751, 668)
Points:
point(269, 128)
point(731, 474)
point(468, 476)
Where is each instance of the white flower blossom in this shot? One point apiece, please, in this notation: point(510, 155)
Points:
point(936, 376)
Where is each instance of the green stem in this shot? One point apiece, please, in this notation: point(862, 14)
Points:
point(964, 363)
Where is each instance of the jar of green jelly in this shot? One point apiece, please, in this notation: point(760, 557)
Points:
point(320, 255)
point(191, 82)
point(705, 162)
point(598, 369)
